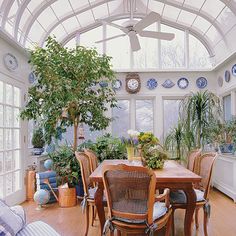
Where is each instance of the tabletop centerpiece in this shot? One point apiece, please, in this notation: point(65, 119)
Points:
point(151, 151)
point(131, 143)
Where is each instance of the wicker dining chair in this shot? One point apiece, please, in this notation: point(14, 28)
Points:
point(89, 189)
point(193, 160)
point(178, 198)
point(93, 159)
point(132, 206)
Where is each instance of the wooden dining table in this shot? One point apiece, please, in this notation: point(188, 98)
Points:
point(172, 176)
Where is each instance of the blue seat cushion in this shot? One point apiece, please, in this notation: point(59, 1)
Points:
point(38, 228)
point(180, 197)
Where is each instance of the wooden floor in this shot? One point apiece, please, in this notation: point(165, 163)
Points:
point(70, 221)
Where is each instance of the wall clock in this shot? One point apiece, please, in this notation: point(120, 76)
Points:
point(133, 83)
point(10, 62)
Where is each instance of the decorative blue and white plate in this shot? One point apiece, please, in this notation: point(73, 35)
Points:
point(10, 62)
point(152, 83)
point(32, 78)
point(183, 83)
point(220, 81)
point(103, 84)
point(234, 70)
point(227, 76)
point(168, 84)
point(117, 85)
point(201, 82)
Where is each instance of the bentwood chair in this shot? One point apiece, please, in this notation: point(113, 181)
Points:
point(89, 190)
point(178, 198)
point(193, 160)
point(132, 206)
point(93, 160)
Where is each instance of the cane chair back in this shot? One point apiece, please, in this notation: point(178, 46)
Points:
point(130, 192)
point(206, 166)
point(85, 170)
point(93, 160)
point(193, 160)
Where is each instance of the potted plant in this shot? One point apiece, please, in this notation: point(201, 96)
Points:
point(38, 141)
point(68, 174)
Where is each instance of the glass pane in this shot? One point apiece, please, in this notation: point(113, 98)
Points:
point(9, 94)
point(16, 138)
point(8, 162)
point(213, 7)
point(1, 186)
point(16, 180)
point(8, 117)
point(227, 107)
point(198, 55)
point(121, 116)
point(172, 52)
point(201, 24)
point(1, 163)
point(171, 12)
point(144, 115)
point(16, 159)
point(8, 133)
point(16, 117)
point(9, 189)
point(171, 114)
point(92, 135)
point(1, 91)
point(1, 115)
point(1, 139)
point(17, 97)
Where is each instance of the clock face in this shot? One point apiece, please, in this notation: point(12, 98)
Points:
point(133, 84)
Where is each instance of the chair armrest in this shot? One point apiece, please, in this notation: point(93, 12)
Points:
point(19, 210)
point(165, 196)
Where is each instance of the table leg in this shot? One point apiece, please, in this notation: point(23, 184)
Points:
point(98, 198)
point(191, 205)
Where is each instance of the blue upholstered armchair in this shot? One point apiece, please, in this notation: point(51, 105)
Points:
point(13, 222)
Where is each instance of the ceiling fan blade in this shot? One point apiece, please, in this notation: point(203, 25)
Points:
point(146, 21)
point(157, 35)
point(134, 41)
point(117, 36)
point(115, 25)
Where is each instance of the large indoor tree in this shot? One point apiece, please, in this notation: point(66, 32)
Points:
point(67, 92)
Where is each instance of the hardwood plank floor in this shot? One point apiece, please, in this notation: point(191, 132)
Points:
point(70, 221)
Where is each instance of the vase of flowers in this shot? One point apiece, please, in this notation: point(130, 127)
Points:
point(131, 143)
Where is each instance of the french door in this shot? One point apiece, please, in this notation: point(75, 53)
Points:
point(11, 161)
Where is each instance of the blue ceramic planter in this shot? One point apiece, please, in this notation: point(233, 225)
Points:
point(227, 148)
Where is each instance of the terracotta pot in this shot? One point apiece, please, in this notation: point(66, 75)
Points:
point(67, 197)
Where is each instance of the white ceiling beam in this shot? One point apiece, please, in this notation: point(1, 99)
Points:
point(66, 38)
point(230, 5)
point(6, 6)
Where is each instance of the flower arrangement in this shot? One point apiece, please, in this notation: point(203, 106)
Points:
point(152, 152)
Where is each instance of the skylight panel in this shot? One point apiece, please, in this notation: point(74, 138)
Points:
point(33, 4)
point(213, 7)
point(226, 19)
point(59, 31)
point(196, 4)
point(24, 18)
point(201, 24)
point(213, 35)
point(186, 17)
point(47, 17)
point(36, 32)
point(71, 43)
point(86, 18)
point(13, 9)
point(76, 4)
point(115, 7)
point(171, 12)
point(61, 7)
point(70, 24)
point(156, 6)
point(100, 11)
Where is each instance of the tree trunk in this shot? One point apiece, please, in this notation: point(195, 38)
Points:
point(75, 143)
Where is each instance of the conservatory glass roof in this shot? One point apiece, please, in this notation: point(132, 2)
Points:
point(213, 22)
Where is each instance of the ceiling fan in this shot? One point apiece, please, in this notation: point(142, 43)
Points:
point(133, 28)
